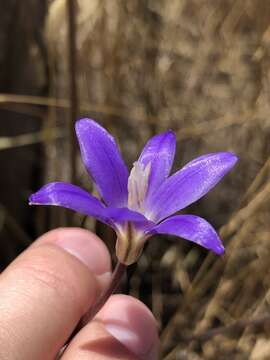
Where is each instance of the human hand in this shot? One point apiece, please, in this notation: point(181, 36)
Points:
point(47, 289)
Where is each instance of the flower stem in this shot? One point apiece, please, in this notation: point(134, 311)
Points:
point(117, 275)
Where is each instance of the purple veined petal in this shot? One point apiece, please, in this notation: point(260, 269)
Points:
point(159, 151)
point(192, 228)
point(71, 197)
point(103, 162)
point(119, 216)
point(188, 184)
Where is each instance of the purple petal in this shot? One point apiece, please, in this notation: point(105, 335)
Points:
point(122, 215)
point(71, 197)
point(188, 184)
point(159, 151)
point(103, 162)
point(191, 228)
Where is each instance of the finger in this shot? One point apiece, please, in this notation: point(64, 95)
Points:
point(124, 329)
point(47, 289)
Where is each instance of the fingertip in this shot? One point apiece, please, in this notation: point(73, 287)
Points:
point(84, 245)
point(132, 324)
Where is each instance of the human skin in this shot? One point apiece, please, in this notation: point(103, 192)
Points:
point(48, 288)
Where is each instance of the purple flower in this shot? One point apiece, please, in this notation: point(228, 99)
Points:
point(141, 204)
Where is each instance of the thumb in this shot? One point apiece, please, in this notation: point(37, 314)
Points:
point(124, 330)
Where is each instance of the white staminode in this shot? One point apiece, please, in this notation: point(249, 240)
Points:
point(138, 185)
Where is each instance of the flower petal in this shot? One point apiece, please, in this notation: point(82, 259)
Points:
point(71, 197)
point(103, 162)
point(159, 152)
point(124, 215)
point(188, 184)
point(120, 216)
point(191, 228)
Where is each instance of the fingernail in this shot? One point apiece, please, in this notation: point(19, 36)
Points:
point(87, 248)
point(132, 324)
point(133, 342)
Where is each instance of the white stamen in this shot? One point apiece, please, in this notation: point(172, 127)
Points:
point(138, 185)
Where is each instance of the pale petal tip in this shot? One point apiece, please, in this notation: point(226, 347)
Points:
point(83, 123)
point(32, 200)
point(219, 250)
point(231, 158)
point(87, 125)
point(234, 157)
point(227, 160)
point(170, 133)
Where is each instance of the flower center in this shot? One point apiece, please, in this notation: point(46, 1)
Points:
point(137, 186)
point(129, 245)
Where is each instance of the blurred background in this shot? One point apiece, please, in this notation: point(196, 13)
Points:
point(140, 67)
